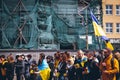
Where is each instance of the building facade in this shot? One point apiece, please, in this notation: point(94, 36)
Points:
point(111, 21)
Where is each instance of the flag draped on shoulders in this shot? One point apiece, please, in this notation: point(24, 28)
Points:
point(99, 32)
point(44, 70)
point(44, 65)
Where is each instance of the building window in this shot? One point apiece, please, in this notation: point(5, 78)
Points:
point(109, 27)
point(118, 27)
point(118, 9)
point(108, 9)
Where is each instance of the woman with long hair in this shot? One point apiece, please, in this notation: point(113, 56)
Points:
point(43, 67)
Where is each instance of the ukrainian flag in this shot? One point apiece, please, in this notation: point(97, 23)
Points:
point(97, 28)
point(44, 70)
point(100, 32)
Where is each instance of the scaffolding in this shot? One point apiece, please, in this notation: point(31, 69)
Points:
point(46, 24)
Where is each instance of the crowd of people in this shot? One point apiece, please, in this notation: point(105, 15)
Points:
point(85, 65)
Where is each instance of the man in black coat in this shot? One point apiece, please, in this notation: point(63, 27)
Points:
point(20, 68)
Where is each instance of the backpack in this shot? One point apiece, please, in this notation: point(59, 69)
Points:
point(112, 65)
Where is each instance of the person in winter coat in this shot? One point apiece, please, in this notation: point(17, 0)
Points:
point(70, 69)
point(10, 68)
point(79, 64)
point(108, 73)
point(43, 67)
point(3, 69)
point(28, 62)
point(33, 69)
point(20, 68)
point(117, 56)
point(62, 67)
point(51, 65)
point(91, 69)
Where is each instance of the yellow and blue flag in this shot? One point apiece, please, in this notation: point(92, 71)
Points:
point(97, 28)
point(100, 32)
point(44, 70)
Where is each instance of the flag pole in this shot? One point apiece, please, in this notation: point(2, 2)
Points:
point(86, 31)
point(98, 40)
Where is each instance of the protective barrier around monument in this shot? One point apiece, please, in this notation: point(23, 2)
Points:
point(48, 24)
